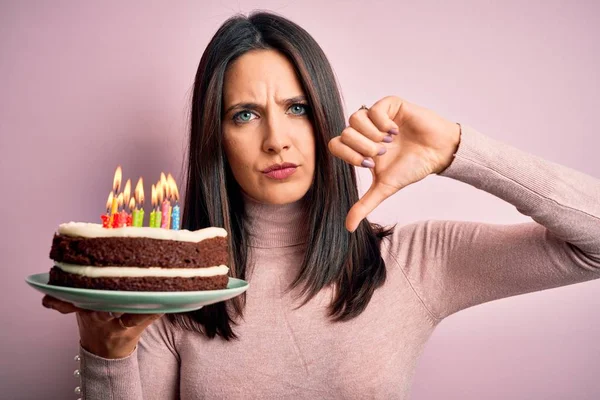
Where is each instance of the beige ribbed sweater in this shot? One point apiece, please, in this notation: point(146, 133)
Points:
point(435, 268)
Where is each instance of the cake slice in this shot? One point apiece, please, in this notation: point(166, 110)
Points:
point(89, 256)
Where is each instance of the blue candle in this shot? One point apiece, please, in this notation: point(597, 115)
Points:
point(175, 218)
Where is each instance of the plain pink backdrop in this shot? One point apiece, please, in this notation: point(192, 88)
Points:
point(85, 86)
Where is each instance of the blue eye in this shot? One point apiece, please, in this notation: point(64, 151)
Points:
point(298, 109)
point(243, 116)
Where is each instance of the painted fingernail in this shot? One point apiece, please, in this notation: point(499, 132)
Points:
point(368, 163)
point(381, 151)
point(393, 131)
point(388, 139)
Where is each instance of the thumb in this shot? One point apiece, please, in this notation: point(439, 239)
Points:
point(363, 207)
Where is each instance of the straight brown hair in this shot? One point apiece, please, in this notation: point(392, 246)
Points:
point(350, 261)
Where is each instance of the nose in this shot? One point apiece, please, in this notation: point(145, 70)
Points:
point(277, 137)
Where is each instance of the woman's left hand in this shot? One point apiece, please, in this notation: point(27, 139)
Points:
point(419, 143)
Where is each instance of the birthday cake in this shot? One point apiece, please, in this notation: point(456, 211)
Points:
point(131, 258)
point(123, 254)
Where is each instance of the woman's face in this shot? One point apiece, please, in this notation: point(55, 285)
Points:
point(268, 137)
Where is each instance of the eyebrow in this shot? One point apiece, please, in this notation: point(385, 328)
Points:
point(255, 106)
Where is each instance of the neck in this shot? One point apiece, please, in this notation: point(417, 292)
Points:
point(275, 225)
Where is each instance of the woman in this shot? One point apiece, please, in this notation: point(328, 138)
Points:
point(338, 307)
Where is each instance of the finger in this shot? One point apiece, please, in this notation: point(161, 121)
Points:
point(134, 320)
point(385, 111)
point(340, 150)
point(105, 316)
point(61, 306)
point(363, 207)
point(360, 143)
point(361, 121)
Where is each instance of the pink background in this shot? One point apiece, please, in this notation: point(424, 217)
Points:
point(85, 86)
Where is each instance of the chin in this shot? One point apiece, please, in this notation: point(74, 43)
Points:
point(280, 196)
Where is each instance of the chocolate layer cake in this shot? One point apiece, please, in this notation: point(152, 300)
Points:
point(139, 259)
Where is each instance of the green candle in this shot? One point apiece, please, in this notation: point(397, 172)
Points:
point(140, 217)
point(136, 218)
point(157, 219)
point(152, 219)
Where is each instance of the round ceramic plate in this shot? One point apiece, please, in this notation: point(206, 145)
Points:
point(137, 302)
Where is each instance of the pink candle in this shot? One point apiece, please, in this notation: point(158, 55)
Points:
point(165, 215)
point(166, 203)
point(123, 219)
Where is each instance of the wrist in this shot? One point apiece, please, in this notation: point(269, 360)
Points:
point(454, 134)
point(109, 351)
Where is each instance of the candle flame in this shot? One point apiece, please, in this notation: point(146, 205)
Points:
point(127, 192)
point(139, 192)
point(160, 192)
point(164, 183)
point(132, 204)
point(173, 192)
point(117, 179)
point(153, 196)
point(109, 202)
point(120, 200)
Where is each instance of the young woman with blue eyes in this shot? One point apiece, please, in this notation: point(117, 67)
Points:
point(338, 307)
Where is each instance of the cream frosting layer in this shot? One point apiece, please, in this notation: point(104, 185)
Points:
point(90, 230)
point(137, 272)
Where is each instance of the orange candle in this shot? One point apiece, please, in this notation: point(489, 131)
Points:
point(116, 187)
point(125, 216)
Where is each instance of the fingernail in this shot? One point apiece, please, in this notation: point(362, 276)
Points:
point(382, 151)
point(368, 163)
point(388, 139)
point(393, 131)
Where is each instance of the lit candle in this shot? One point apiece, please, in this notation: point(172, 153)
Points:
point(155, 217)
point(106, 217)
point(138, 215)
point(116, 186)
point(134, 212)
point(132, 209)
point(120, 217)
point(125, 216)
point(127, 192)
point(159, 196)
point(175, 195)
point(152, 213)
point(164, 201)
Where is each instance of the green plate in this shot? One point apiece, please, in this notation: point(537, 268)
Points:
point(137, 302)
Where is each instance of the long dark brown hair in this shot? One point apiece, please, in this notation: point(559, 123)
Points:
point(350, 261)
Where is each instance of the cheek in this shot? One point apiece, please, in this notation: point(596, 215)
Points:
point(307, 146)
point(237, 157)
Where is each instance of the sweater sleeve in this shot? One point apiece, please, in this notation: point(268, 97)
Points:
point(455, 265)
point(150, 372)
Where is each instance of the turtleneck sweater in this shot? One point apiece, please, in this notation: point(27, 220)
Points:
point(434, 269)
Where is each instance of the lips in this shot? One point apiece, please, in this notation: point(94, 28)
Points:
point(280, 171)
point(276, 167)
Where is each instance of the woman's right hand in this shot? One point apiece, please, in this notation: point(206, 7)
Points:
point(108, 335)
